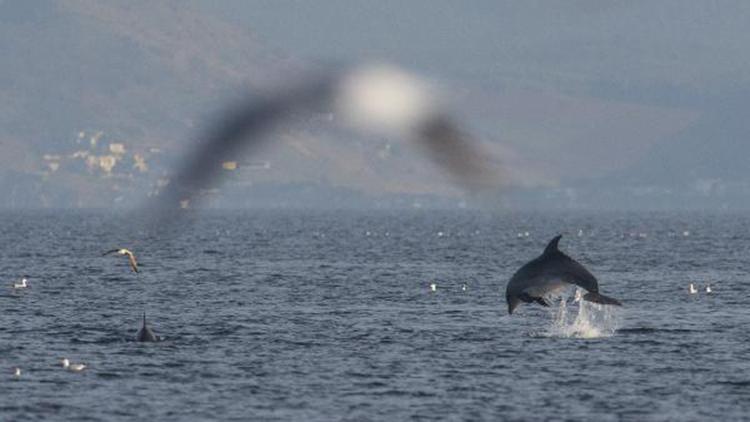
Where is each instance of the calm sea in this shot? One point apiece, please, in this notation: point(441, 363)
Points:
point(325, 316)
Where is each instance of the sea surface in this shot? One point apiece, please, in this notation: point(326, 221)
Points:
point(321, 316)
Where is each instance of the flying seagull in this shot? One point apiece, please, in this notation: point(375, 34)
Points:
point(131, 257)
point(379, 98)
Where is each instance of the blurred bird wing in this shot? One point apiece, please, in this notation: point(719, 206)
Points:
point(131, 259)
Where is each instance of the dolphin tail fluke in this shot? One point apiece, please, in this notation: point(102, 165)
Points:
point(601, 299)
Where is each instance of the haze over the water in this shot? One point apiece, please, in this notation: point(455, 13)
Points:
point(588, 105)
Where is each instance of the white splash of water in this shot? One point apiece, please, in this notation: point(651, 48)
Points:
point(582, 319)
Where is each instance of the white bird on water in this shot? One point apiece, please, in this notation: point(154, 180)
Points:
point(73, 367)
point(17, 373)
point(21, 285)
point(463, 288)
point(433, 287)
point(131, 257)
point(708, 289)
point(693, 290)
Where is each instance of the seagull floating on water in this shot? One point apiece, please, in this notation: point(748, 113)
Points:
point(73, 367)
point(693, 290)
point(21, 285)
point(708, 289)
point(463, 288)
point(131, 257)
point(17, 373)
point(433, 287)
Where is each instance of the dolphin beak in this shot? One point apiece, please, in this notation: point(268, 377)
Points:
point(513, 302)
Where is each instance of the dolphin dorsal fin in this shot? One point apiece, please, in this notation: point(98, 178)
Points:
point(144, 319)
point(552, 245)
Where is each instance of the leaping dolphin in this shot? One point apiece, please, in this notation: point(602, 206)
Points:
point(145, 334)
point(551, 271)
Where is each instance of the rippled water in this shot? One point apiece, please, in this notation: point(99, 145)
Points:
point(329, 316)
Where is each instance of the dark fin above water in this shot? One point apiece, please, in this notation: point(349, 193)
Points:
point(601, 299)
point(541, 301)
point(145, 334)
point(526, 298)
point(552, 245)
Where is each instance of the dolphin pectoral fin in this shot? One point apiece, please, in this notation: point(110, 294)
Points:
point(541, 301)
point(514, 301)
point(601, 299)
point(526, 298)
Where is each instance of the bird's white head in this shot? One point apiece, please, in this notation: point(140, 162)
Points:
point(384, 98)
point(65, 363)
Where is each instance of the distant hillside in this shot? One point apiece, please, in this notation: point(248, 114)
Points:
point(139, 69)
point(87, 74)
point(100, 98)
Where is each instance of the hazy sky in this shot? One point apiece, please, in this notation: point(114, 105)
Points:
point(696, 46)
point(680, 56)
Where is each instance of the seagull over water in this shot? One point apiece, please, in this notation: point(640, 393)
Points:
point(131, 257)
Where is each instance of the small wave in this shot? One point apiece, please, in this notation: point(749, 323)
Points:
point(111, 339)
point(741, 383)
point(108, 375)
point(403, 393)
point(651, 330)
point(198, 270)
point(117, 278)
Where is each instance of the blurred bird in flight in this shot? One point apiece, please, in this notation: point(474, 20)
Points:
point(379, 98)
